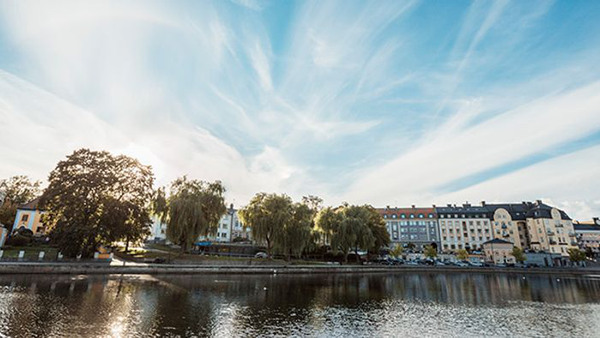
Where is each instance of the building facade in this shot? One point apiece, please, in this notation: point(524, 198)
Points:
point(463, 227)
point(588, 235)
point(509, 222)
point(418, 226)
point(30, 217)
point(549, 229)
point(499, 251)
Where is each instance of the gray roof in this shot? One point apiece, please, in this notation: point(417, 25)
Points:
point(498, 241)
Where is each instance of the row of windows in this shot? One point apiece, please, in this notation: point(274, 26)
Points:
point(409, 216)
point(462, 216)
point(464, 222)
point(413, 223)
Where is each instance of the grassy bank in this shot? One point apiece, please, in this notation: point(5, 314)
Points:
point(31, 252)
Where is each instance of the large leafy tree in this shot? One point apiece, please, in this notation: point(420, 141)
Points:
point(193, 209)
point(327, 222)
point(15, 191)
point(295, 234)
point(378, 229)
point(268, 215)
point(95, 198)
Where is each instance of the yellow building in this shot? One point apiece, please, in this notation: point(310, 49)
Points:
point(509, 223)
point(30, 217)
point(550, 230)
point(499, 251)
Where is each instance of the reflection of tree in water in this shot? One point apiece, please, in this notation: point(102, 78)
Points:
point(240, 304)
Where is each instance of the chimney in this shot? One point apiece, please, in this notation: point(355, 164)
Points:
point(413, 206)
point(387, 206)
point(433, 205)
point(596, 220)
point(483, 203)
point(538, 202)
point(449, 205)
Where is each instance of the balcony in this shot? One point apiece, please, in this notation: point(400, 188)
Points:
point(552, 242)
point(550, 233)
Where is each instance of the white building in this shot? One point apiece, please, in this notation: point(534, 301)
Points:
point(229, 228)
point(464, 227)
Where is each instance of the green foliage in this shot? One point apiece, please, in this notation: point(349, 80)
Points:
point(193, 209)
point(576, 255)
point(295, 234)
point(95, 198)
point(431, 252)
point(327, 221)
point(352, 227)
point(462, 254)
point(17, 190)
point(267, 216)
point(518, 254)
point(21, 237)
point(397, 251)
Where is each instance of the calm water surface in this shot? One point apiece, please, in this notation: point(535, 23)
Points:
point(417, 304)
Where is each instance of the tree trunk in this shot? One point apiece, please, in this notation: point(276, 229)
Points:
point(356, 253)
point(268, 248)
point(127, 245)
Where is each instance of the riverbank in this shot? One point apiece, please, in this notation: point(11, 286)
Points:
point(162, 269)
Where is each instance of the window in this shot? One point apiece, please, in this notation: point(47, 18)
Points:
point(412, 216)
point(430, 215)
point(223, 235)
point(394, 215)
point(421, 216)
point(402, 216)
point(25, 218)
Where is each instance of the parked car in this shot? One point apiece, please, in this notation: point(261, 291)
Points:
point(261, 255)
point(412, 263)
point(440, 263)
point(477, 264)
point(462, 264)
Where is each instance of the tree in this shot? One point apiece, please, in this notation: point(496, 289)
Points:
point(327, 221)
point(518, 254)
point(16, 190)
point(295, 234)
point(267, 215)
point(95, 198)
point(430, 252)
point(193, 209)
point(397, 251)
point(576, 255)
point(462, 254)
point(378, 229)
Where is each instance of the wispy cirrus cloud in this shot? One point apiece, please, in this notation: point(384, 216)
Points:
point(380, 102)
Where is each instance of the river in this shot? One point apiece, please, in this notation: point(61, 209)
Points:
point(390, 305)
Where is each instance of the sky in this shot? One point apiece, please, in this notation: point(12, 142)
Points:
point(380, 102)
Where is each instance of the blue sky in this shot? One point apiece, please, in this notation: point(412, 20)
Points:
point(382, 102)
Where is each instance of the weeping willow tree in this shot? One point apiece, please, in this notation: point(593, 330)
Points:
point(352, 228)
point(295, 234)
point(193, 209)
